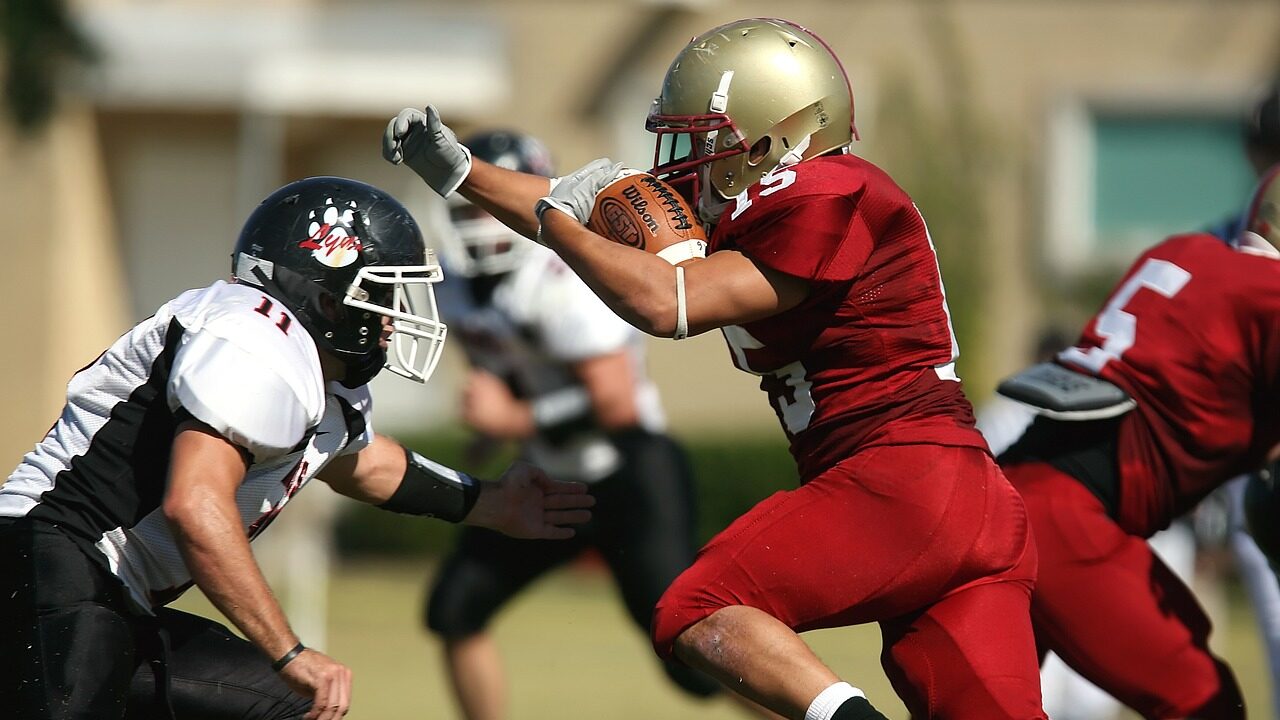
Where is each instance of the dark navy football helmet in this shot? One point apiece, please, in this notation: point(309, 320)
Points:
point(342, 255)
point(477, 244)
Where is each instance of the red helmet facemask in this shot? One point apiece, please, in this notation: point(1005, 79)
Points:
point(680, 150)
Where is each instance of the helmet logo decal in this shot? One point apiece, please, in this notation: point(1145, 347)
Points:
point(820, 114)
point(331, 235)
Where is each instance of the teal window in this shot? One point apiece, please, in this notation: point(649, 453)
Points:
point(1157, 175)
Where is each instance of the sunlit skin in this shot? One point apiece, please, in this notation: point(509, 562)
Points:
point(206, 471)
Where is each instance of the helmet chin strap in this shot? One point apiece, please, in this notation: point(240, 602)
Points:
point(361, 370)
point(795, 154)
point(354, 372)
point(711, 206)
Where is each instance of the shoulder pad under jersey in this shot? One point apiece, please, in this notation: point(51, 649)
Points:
point(252, 376)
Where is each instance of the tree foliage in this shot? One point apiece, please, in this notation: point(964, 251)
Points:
point(38, 38)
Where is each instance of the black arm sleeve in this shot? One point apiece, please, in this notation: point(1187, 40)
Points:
point(433, 490)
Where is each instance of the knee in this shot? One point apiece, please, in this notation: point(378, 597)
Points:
point(704, 635)
point(675, 614)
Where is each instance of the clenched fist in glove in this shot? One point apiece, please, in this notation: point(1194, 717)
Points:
point(420, 140)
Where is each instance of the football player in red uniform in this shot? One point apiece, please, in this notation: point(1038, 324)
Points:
point(823, 278)
point(1189, 335)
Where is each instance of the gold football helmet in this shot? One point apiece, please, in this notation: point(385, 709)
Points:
point(741, 100)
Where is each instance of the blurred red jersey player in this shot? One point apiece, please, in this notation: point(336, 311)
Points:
point(823, 278)
point(1190, 335)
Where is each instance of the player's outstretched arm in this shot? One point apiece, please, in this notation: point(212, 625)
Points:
point(420, 140)
point(523, 503)
point(726, 288)
point(205, 471)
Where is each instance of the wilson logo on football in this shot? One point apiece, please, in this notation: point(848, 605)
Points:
point(622, 223)
point(331, 238)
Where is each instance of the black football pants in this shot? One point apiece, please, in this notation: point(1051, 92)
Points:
point(70, 648)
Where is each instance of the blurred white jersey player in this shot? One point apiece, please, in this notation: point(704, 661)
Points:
point(555, 371)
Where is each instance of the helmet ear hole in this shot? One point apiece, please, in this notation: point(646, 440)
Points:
point(760, 150)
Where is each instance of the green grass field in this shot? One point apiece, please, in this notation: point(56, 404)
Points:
point(572, 653)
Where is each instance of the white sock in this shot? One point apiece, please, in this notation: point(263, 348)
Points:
point(830, 700)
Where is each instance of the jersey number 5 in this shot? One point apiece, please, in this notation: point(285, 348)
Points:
point(1119, 329)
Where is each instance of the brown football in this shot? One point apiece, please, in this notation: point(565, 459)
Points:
point(641, 211)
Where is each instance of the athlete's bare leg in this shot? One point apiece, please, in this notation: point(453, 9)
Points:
point(478, 679)
point(755, 655)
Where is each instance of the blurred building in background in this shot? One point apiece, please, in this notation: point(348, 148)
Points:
point(1044, 141)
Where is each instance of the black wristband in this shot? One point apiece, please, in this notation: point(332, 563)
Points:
point(431, 489)
point(288, 657)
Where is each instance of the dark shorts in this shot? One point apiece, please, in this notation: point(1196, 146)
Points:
point(642, 526)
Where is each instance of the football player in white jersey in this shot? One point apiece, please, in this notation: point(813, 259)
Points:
point(553, 369)
point(184, 439)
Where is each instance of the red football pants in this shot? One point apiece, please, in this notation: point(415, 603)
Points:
point(930, 541)
point(1114, 611)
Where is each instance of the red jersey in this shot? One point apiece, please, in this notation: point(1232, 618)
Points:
point(1193, 334)
point(868, 358)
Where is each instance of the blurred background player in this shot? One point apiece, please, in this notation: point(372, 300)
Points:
point(1067, 695)
point(1182, 352)
point(1260, 140)
point(1218, 520)
point(1261, 146)
point(557, 372)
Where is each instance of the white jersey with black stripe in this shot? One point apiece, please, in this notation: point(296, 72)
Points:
point(227, 355)
point(540, 320)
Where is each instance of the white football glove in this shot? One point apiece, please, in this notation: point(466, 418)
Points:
point(420, 140)
point(575, 193)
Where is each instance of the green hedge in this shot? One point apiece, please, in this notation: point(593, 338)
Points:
point(732, 475)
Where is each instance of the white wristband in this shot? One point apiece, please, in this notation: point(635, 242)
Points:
point(681, 251)
point(453, 187)
point(682, 321)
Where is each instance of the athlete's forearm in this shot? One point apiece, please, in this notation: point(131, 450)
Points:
point(516, 423)
point(216, 550)
point(610, 383)
point(506, 194)
point(638, 286)
point(205, 471)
